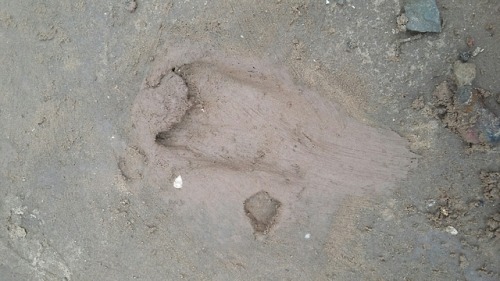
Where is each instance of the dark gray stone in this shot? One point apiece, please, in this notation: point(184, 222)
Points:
point(423, 16)
point(464, 56)
point(464, 94)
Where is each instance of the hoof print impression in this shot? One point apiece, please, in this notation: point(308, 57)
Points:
point(262, 210)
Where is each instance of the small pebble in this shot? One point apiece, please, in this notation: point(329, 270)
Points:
point(464, 94)
point(451, 230)
point(178, 182)
point(464, 56)
point(477, 51)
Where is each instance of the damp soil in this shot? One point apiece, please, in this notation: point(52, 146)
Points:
point(315, 141)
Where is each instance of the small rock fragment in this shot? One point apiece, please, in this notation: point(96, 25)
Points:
point(489, 126)
point(423, 16)
point(477, 51)
point(464, 95)
point(451, 230)
point(464, 73)
point(178, 182)
point(444, 211)
point(464, 56)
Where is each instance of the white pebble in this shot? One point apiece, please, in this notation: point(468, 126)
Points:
point(178, 182)
point(451, 230)
point(307, 236)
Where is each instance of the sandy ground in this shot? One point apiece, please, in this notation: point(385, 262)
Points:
point(315, 141)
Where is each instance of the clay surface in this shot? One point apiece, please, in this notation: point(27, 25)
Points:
point(288, 122)
point(234, 129)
